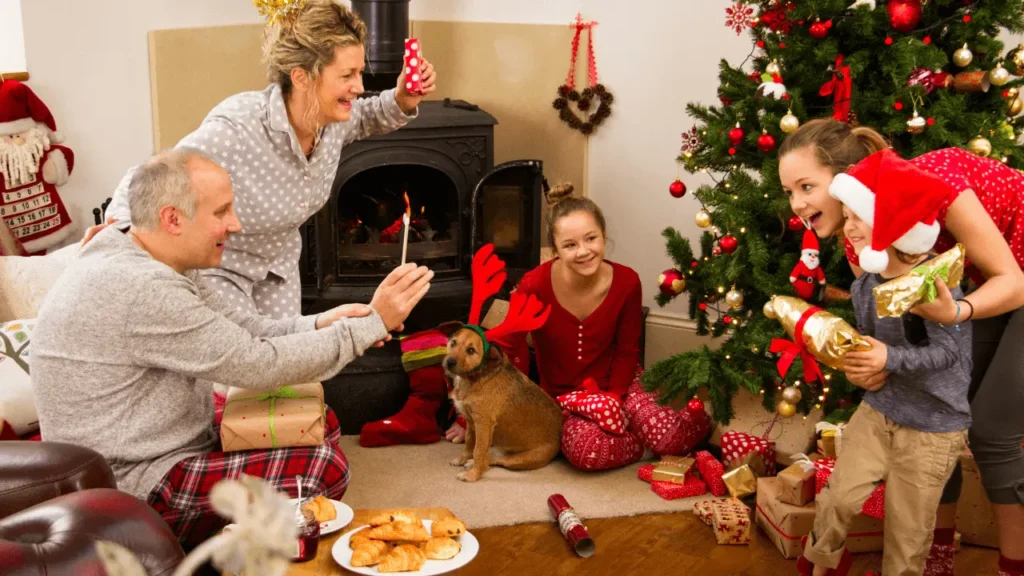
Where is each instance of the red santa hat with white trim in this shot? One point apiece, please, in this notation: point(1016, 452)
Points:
point(21, 110)
point(898, 200)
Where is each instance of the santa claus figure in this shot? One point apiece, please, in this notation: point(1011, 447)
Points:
point(32, 165)
point(807, 275)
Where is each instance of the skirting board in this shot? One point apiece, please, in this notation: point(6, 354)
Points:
point(671, 334)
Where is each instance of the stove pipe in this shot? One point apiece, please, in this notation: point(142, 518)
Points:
point(387, 25)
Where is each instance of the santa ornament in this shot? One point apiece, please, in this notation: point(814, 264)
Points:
point(32, 165)
point(898, 200)
point(807, 275)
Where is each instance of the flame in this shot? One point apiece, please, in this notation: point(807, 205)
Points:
point(423, 210)
point(408, 208)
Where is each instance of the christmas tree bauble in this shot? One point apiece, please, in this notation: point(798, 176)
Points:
point(916, 124)
point(734, 298)
point(703, 218)
point(677, 189)
point(695, 406)
point(999, 75)
point(980, 146)
point(773, 68)
point(769, 310)
point(819, 29)
point(671, 282)
point(728, 244)
point(789, 123)
point(785, 409)
point(963, 57)
point(1014, 103)
point(795, 224)
point(792, 395)
point(766, 142)
point(736, 135)
point(1015, 58)
point(904, 14)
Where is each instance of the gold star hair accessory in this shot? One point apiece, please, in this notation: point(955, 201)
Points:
point(278, 10)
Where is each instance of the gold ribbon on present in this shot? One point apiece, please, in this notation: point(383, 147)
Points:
point(740, 482)
point(284, 392)
point(897, 296)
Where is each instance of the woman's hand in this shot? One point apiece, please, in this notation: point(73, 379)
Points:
point(93, 231)
point(861, 365)
point(325, 319)
point(399, 293)
point(943, 309)
point(456, 434)
point(408, 102)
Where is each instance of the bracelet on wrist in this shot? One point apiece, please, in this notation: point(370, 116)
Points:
point(968, 302)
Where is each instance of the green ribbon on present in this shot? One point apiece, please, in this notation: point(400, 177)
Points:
point(284, 392)
point(928, 291)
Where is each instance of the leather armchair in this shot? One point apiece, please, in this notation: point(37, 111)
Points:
point(57, 500)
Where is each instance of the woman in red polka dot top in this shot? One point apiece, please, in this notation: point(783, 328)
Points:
point(986, 215)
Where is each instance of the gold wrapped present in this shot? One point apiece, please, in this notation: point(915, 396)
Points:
point(897, 296)
point(814, 331)
point(730, 520)
point(740, 482)
point(672, 469)
point(797, 482)
point(288, 416)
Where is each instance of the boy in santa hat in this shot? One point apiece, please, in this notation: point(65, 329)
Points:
point(910, 431)
point(31, 168)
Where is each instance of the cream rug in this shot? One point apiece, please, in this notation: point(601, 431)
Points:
point(421, 476)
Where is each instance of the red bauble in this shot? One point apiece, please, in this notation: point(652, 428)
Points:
point(716, 251)
point(727, 319)
point(819, 30)
point(729, 244)
point(796, 224)
point(677, 189)
point(695, 406)
point(766, 142)
point(672, 282)
point(693, 264)
point(703, 306)
point(904, 15)
point(736, 135)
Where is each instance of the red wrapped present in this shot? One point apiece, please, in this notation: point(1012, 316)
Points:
point(739, 448)
point(646, 473)
point(874, 507)
point(693, 486)
point(711, 471)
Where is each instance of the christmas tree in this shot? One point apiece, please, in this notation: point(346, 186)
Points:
point(928, 74)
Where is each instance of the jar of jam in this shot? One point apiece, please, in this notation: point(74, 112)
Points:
point(309, 535)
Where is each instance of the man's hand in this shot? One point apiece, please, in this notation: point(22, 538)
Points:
point(869, 362)
point(399, 293)
point(408, 102)
point(325, 319)
point(94, 230)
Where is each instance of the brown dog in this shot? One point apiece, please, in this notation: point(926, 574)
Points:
point(502, 408)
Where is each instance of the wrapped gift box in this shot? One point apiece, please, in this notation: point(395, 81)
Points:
point(740, 448)
point(705, 509)
point(798, 483)
point(711, 471)
point(791, 436)
point(874, 506)
point(974, 518)
point(286, 417)
point(672, 469)
point(785, 524)
point(730, 520)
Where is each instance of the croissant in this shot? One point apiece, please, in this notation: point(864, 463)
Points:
point(405, 558)
point(358, 539)
point(369, 553)
point(450, 527)
point(441, 548)
point(399, 531)
point(322, 508)
point(394, 516)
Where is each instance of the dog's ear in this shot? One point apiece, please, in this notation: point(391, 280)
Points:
point(449, 328)
point(495, 354)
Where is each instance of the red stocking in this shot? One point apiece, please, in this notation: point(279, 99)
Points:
point(417, 422)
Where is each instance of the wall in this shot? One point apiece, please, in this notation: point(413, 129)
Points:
point(12, 41)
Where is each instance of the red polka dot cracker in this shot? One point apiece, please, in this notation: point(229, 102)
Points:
point(413, 60)
point(603, 409)
point(737, 445)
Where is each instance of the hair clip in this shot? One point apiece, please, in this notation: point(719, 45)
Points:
point(278, 10)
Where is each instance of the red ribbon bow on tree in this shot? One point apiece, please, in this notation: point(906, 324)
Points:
point(790, 350)
point(841, 88)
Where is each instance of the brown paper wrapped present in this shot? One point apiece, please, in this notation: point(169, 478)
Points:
point(897, 296)
point(705, 510)
point(785, 524)
point(730, 520)
point(672, 469)
point(797, 483)
point(286, 417)
point(974, 518)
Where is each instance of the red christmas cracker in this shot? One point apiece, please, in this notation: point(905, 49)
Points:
point(413, 59)
point(711, 471)
point(571, 526)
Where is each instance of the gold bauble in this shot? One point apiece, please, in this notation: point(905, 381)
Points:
point(734, 298)
point(789, 123)
point(769, 310)
point(1016, 106)
point(703, 218)
point(999, 75)
point(980, 146)
point(1015, 58)
point(916, 124)
point(785, 409)
point(792, 395)
point(773, 68)
point(963, 57)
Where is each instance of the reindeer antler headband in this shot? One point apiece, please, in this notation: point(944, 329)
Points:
point(525, 312)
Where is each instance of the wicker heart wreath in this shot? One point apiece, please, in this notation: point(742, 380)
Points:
point(586, 117)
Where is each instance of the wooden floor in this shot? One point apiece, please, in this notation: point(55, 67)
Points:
point(653, 545)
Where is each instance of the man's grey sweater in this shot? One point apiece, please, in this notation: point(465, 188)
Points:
point(930, 365)
point(125, 348)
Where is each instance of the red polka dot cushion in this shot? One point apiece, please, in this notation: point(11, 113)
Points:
point(603, 409)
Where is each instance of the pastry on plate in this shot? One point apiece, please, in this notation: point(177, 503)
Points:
point(398, 531)
point(322, 509)
point(369, 552)
point(450, 527)
point(394, 516)
point(441, 548)
point(404, 558)
point(358, 538)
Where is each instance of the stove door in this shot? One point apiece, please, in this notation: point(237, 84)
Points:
point(506, 211)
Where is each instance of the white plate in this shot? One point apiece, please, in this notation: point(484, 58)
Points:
point(345, 515)
point(342, 554)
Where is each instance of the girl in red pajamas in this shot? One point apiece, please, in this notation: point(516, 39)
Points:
point(986, 214)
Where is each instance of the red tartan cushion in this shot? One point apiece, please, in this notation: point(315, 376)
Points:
point(604, 409)
point(874, 507)
point(711, 471)
point(738, 444)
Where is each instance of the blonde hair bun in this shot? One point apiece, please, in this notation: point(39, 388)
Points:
point(559, 192)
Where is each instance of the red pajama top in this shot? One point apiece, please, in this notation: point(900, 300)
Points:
point(604, 346)
point(999, 188)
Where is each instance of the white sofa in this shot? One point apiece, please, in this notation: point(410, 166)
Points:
point(25, 280)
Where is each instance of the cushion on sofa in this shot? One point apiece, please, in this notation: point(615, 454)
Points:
point(25, 280)
point(17, 402)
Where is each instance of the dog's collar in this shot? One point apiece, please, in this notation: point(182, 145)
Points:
point(487, 345)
